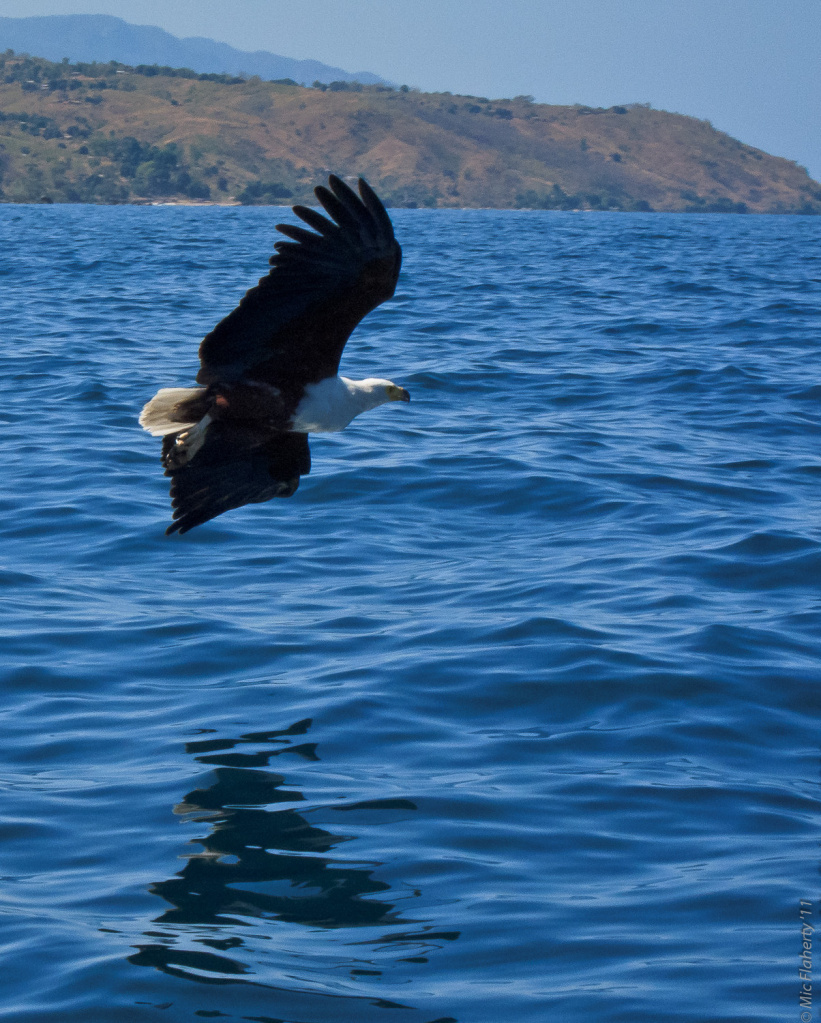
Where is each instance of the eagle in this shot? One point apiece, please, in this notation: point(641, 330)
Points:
point(269, 370)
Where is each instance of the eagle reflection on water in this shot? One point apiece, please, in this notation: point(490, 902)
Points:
point(262, 864)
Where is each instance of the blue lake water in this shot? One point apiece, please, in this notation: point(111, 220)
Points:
point(509, 714)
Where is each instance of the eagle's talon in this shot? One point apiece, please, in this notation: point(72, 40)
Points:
point(187, 445)
point(178, 455)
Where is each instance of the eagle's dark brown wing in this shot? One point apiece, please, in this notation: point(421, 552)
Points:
point(291, 328)
point(231, 470)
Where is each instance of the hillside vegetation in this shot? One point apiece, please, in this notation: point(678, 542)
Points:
point(107, 133)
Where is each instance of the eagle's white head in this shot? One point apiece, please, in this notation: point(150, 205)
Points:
point(379, 390)
point(332, 403)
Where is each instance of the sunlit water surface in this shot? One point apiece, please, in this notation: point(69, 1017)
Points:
point(509, 714)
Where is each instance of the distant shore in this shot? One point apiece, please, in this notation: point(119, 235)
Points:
point(110, 133)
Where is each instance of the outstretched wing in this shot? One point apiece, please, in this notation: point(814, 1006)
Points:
point(230, 470)
point(291, 328)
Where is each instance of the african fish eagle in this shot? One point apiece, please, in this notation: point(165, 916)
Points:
point(269, 370)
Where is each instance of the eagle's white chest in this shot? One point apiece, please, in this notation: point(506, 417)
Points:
point(329, 405)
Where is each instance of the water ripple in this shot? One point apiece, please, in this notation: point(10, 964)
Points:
point(508, 714)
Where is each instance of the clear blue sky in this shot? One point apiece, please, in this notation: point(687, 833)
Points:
point(752, 67)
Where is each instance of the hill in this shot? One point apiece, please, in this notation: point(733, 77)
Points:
point(90, 37)
point(111, 133)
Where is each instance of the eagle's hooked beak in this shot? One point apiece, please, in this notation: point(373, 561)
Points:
point(398, 393)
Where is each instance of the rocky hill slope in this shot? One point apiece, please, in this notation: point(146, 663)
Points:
point(111, 133)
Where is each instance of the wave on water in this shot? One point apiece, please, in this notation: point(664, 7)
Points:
point(508, 714)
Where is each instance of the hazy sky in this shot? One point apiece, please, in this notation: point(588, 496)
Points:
point(752, 67)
